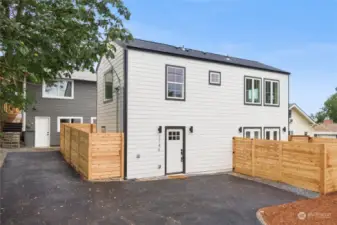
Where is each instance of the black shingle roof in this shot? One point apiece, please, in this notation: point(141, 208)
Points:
point(190, 53)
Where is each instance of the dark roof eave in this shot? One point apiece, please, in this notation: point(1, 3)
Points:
point(204, 59)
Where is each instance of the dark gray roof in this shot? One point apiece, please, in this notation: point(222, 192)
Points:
point(206, 56)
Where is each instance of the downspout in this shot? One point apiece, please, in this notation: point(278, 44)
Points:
point(24, 110)
point(125, 111)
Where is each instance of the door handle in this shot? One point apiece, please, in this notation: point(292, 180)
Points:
point(47, 133)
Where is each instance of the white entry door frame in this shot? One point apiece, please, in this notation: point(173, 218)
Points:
point(175, 153)
point(42, 131)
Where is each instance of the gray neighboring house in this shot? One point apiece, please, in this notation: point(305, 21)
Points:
point(65, 101)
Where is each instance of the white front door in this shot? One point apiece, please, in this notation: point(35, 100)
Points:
point(42, 131)
point(175, 151)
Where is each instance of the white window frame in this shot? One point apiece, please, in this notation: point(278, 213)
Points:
point(58, 97)
point(271, 92)
point(252, 130)
point(182, 98)
point(253, 87)
point(92, 119)
point(272, 130)
point(210, 73)
point(112, 83)
point(66, 117)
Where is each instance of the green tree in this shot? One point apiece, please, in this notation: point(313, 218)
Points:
point(47, 39)
point(329, 110)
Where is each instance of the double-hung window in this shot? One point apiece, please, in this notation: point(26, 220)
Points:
point(175, 83)
point(252, 90)
point(214, 78)
point(61, 89)
point(108, 86)
point(272, 90)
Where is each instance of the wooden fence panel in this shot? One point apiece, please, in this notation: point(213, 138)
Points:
point(74, 148)
point(300, 138)
point(331, 173)
point(301, 165)
point(243, 155)
point(295, 163)
point(94, 155)
point(62, 139)
point(67, 143)
point(83, 154)
point(324, 140)
point(106, 150)
point(267, 155)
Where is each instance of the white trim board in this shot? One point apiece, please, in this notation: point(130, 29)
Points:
point(66, 117)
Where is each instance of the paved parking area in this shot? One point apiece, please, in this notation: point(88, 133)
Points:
point(40, 188)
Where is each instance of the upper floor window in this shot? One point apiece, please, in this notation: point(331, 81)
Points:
point(175, 83)
point(214, 78)
point(252, 91)
point(272, 90)
point(108, 86)
point(63, 89)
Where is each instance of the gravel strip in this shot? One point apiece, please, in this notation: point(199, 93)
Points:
point(283, 186)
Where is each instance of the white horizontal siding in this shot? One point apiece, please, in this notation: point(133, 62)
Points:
point(215, 112)
point(299, 124)
point(110, 114)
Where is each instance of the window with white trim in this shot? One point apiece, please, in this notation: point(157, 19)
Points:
point(272, 134)
point(108, 86)
point(68, 119)
point(93, 120)
point(252, 91)
point(252, 133)
point(272, 91)
point(214, 78)
point(61, 89)
point(175, 83)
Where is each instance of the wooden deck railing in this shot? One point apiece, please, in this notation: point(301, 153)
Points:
point(312, 166)
point(95, 156)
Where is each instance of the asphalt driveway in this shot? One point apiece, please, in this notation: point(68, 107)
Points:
point(40, 188)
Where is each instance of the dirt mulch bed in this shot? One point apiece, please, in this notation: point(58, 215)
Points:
point(322, 210)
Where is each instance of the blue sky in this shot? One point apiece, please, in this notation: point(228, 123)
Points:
point(299, 36)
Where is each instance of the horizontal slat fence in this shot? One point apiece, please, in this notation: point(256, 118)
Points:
point(95, 156)
point(306, 165)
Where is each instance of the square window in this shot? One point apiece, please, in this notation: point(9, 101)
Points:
point(214, 78)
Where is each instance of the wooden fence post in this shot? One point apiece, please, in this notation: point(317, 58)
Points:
point(233, 155)
point(122, 156)
point(253, 157)
point(323, 167)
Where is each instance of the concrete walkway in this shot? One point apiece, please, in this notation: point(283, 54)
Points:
point(40, 188)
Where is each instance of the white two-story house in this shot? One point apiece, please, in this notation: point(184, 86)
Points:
point(180, 108)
